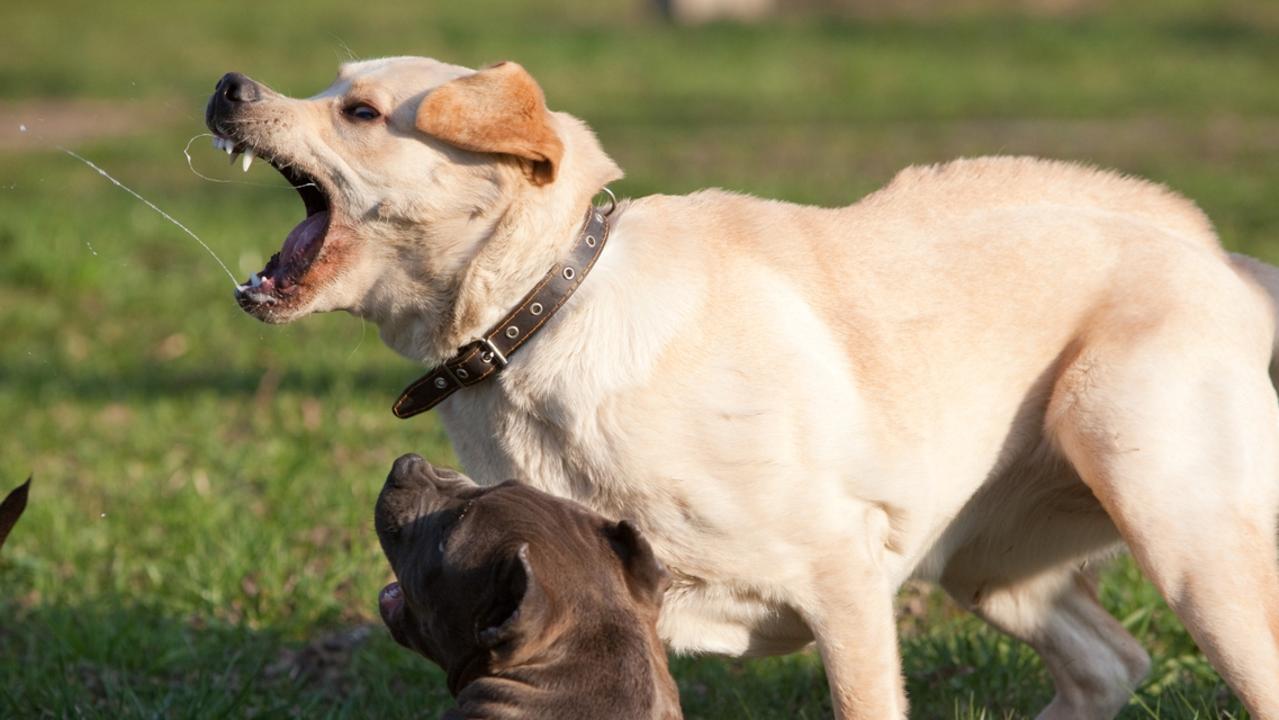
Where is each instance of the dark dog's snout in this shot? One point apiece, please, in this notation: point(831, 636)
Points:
point(409, 471)
point(413, 472)
point(415, 486)
point(411, 480)
point(232, 93)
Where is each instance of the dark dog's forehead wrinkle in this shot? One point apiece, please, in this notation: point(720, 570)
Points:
point(563, 538)
point(465, 552)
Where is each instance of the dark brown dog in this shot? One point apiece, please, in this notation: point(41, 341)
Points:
point(536, 608)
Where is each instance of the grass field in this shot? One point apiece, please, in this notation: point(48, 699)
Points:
point(199, 541)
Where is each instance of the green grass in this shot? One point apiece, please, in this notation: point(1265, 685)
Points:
point(199, 541)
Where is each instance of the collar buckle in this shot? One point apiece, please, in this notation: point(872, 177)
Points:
point(491, 354)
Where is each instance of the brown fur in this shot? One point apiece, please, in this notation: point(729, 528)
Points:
point(499, 109)
point(535, 607)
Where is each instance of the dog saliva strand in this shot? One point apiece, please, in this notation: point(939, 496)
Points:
point(153, 206)
point(247, 159)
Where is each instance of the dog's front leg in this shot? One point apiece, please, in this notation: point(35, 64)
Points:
point(852, 618)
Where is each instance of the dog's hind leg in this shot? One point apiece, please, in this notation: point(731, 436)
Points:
point(1095, 664)
point(1177, 435)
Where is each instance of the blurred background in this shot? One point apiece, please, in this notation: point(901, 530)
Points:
point(199, 541)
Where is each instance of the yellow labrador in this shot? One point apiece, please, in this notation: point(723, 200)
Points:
point(986, 374)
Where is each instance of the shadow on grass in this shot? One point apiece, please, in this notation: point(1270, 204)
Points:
point(87, 381)
point(113, 659)
point(116, 660)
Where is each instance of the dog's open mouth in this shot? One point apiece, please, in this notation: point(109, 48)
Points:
point(391, 599)
point(284, 275)
point(391, 606)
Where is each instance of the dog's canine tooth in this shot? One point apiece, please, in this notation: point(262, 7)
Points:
point(248, 159)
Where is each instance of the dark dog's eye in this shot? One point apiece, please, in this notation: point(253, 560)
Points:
point(361, 111)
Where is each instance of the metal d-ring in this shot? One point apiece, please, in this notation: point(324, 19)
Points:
point(612, 201)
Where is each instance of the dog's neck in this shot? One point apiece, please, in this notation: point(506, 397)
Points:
point(528, 235)
point(543, 686)
point(509, 265)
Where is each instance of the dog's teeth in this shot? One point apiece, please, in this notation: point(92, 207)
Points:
point(248, 160)
point(229, 146)
point(217, 143)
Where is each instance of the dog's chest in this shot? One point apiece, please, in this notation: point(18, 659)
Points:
point(552, 446)
point(702, 463)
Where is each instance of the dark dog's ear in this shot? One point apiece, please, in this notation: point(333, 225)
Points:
point(519, 610)
point(11, 509)
point(499, 109)
point(645, 575)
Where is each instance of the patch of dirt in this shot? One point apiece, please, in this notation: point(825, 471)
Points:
point(40, 124)
point(324, 661)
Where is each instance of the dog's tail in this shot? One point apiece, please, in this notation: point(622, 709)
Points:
point(1267, 277)
point(11, 509)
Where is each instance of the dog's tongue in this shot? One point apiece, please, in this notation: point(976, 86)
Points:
point(304, 235)
point(390, 599)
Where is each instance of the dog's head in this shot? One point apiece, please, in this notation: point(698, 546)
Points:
point(407, 167)
point(491, 577)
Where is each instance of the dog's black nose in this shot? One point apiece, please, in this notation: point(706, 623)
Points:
point(237, 88)
point(233, 94)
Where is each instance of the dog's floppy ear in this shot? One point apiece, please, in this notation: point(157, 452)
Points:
point(11, 509)
point(645, 575)
point(499, 109)
point(519, 610)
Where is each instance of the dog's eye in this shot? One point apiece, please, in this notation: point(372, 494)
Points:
point(361, 111)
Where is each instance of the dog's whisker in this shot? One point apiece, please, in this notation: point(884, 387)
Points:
point(363, 327)
point(350, 54)
point(154, 207)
